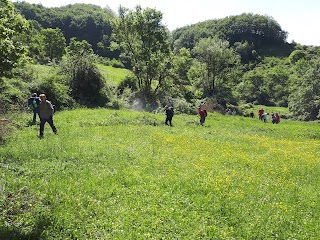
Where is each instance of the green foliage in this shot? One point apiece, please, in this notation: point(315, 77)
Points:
point(304, 101)
point(145, 42)
point(12, 51)
point(86, 81)
point(33, 40)
point(54, 43)
point(296, 55)
point(245, 51)
point(81, 21)
point(57, 92)
point(217, 58)
point(256, 30)
point(129, 82)
point(267, 84)
point(182, 106)
point(182, 64)
point(13, 95)
point(79, 47)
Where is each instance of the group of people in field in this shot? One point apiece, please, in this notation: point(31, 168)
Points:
point(44, 109)
point(263, 116)
point(202, 112)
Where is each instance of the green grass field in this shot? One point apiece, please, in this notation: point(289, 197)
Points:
point(113, 75)
point(125, 175)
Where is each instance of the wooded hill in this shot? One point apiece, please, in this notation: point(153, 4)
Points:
point(234, 61)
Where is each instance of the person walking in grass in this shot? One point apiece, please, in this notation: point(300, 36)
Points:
point(169, 115)
point(277, 118)
point(202, 114)
point(260, 113)
point(33, 104)
point(46, 115)
point(264, 117)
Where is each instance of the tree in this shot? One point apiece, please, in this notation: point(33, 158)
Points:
point(82, 21)
point(218, 57)
point(145, 43)
point(296, 55)
point(79, 48)
point(252, 88)
point(86, 81)
point(12, 24)
point(54, 43)
point(304, 102)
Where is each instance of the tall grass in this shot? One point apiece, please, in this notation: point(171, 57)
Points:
point(125, 175)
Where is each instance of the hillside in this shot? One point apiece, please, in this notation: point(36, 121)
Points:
point(232, 62)
point(124, 175)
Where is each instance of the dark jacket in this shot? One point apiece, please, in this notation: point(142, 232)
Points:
point(46, 110)
point(169, 112)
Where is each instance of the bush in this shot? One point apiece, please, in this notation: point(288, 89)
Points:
point(282, 103)
point(13, 95)
point(56, 92)
point(5, 128)
point(129, 82)
point(86, 81)
point(182, 106)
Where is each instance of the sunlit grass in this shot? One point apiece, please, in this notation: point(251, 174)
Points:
point(113, 75)
point(125, 175)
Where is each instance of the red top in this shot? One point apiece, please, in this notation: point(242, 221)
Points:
point(260, 112)
point(202, 113)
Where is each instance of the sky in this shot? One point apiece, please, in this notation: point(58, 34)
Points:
point(300, 18)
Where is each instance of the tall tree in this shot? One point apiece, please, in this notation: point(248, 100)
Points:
point(304, 101)
point(217, 57)
point(145, 42)
point(12, 51)
point(54, 43)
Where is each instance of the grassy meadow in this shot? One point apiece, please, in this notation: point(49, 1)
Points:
point(112, 74)
point(125, 175)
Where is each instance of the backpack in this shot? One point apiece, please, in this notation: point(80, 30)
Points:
point(33, 104)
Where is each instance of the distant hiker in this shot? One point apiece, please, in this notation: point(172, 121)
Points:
point(273, 117)
point(264, 117)
point(260, 112)
point(33, 104)
point(251, 114)
point(203, 106)
point(46, 115)
point(277, 118)
point(202, 113)
point(169, 115)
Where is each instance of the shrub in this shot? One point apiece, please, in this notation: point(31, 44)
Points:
point(182, 106)
point(56, 92)
point(86, 81)
point(13, 94)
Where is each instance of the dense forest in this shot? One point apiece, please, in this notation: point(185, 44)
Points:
point(232, 62)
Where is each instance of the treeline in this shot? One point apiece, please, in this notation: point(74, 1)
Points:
point(234, 61)
point(81, 21)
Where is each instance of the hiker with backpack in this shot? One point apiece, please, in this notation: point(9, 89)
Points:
point(33, 104)
point(202, 112)
point(169, 115)
point(46, 115)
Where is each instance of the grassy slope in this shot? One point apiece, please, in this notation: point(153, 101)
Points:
point(124, 175)
point(113, 75)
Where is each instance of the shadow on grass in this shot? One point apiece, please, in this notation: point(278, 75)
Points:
point(15, 233)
